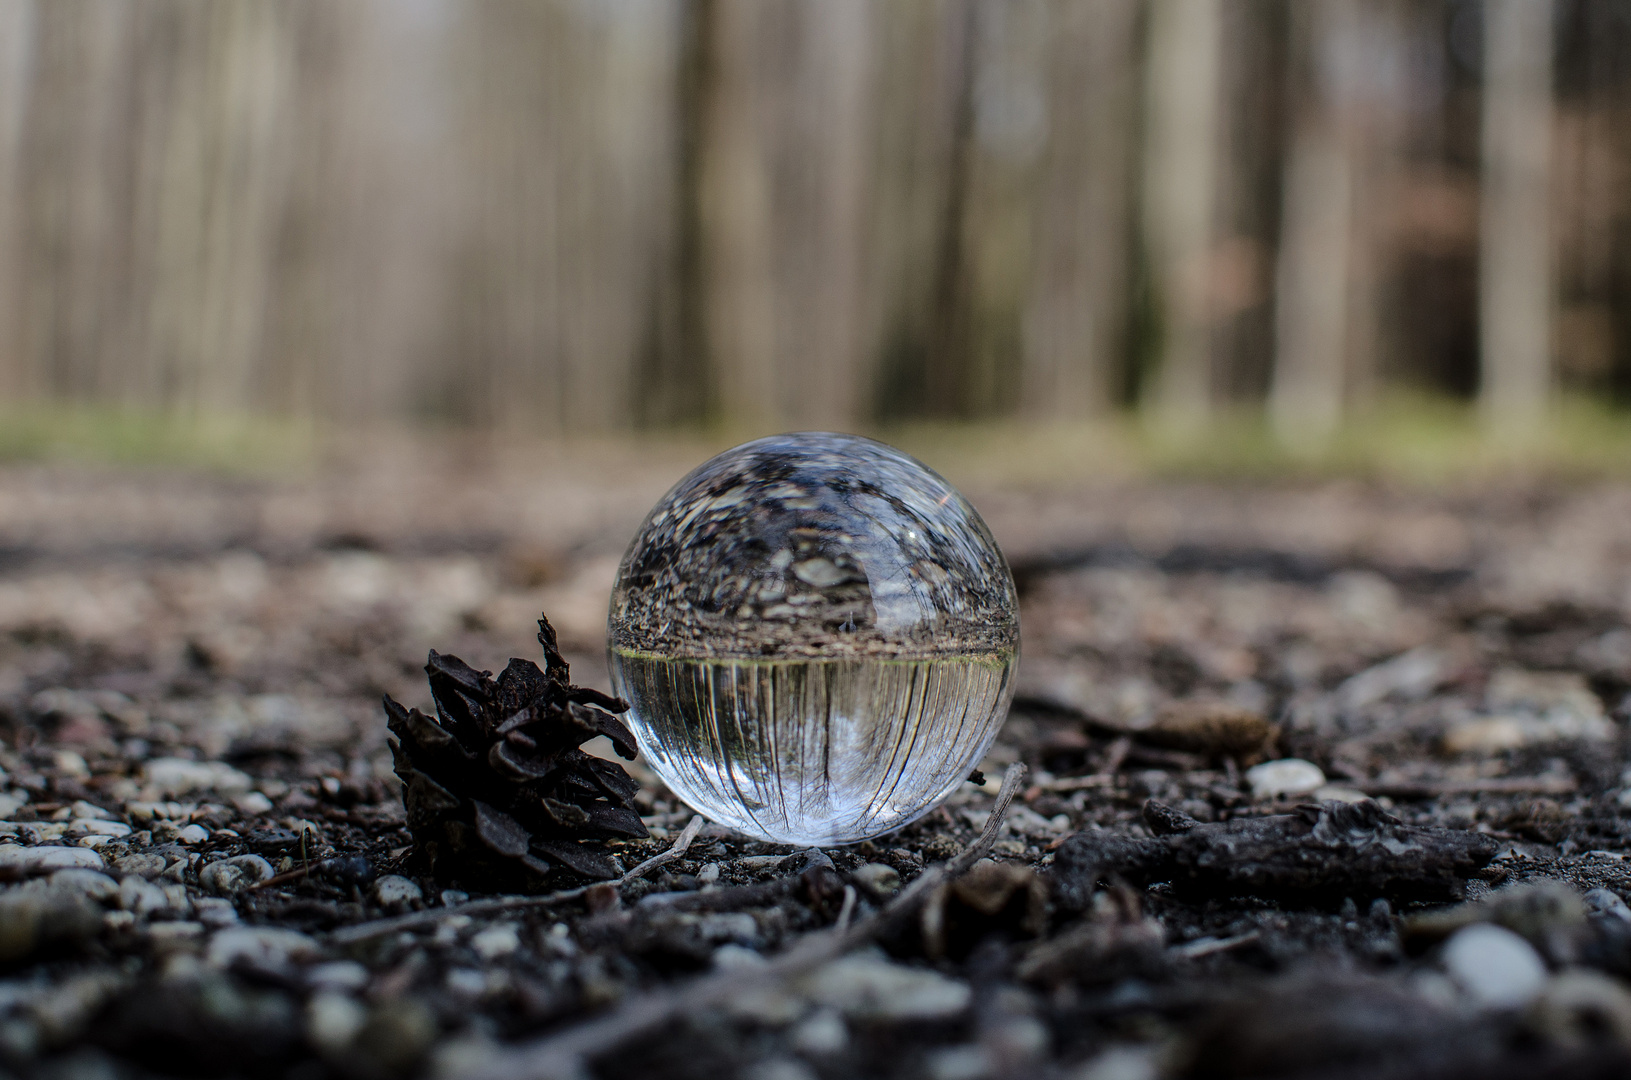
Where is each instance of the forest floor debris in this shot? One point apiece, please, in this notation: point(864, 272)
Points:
point(205, 867)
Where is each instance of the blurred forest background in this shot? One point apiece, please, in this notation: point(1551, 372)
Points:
point(589, 215)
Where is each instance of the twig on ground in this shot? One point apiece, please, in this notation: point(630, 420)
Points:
point(1071, 783)
point(1194, 950)
point(363, 931)
point(299, 873)
point(848, 908)
point(681, 843)
point(563, 1054)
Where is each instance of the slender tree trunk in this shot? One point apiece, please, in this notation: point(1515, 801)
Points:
point(1312, 281)
point(823, 151)
point(1075, 322)
point(918, 75)
point(950, 324)
point(675, 384)
point(1180, 167)
point(17, 28)
point(1515, 258)
point(734, 191)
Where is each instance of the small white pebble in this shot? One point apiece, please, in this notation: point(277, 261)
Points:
point(178, 776)
point(878, 880)
point(823, 1032)
point(709, 874)
point(181, 930)
point(193, 834)
point(736, 958)
point(228, 876)
point(214, 911)
point(98, 827)
point(498, 940)
point(264, 946)
point(46, 858)
point(333, 1021)
point(1288, 776)
point(71, 764)
point(449, 929)
point(395, 891)
point(466, 982)
point(251, 803)
point(1494, 967)
point(1338, 793)
point(83, 809)
point(89, 883)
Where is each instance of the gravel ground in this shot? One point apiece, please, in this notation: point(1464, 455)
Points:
point(1324, 780)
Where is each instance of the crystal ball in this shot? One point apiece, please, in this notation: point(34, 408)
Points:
point(817, 637)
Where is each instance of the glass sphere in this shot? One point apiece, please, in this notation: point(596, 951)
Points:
point(816, 635)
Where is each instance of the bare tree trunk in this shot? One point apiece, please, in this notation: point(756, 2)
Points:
point(783, 158)
point(1074, 325)
point(1180, 165)
point(17, 28)
point(1515, 258)
point(949, 324)
point(70, 178)
point(737, 258)
point(1312, 280)
point(923, 124)
point(563, 184)
point(675, 379)
point(821, 247)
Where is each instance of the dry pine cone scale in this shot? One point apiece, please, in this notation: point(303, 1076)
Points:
point(496, 787)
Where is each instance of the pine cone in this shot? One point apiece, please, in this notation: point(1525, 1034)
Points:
point(496, 787)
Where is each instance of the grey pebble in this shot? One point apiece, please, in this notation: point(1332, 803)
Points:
point(214, 911)
point(333, 1020)
point(1578, 1007)
point(394, 891)
point(808, 859)
point(141, 897)
point(1494, 967)
point(1605, 904)
point(173, 932)
point(870, 988)
point(39, 915)
point(46, 859)
point(91, 884)
point(262, 946)
point(64, 1011)
point(178, 776)
point(86, 810)
point(228, 876)
point(877, 880)
point(822, 1032)
point(144, 864)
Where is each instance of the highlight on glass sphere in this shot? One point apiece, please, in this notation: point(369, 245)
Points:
point(817, 637)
